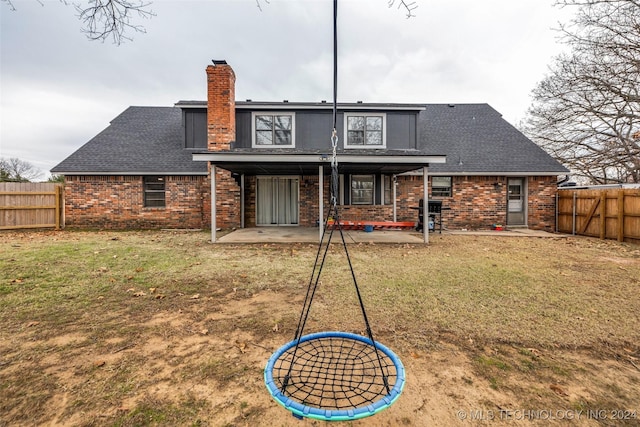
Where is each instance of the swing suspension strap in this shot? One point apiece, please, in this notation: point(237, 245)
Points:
point(321, 256)
point(323, 248)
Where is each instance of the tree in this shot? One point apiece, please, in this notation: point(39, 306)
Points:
point(56, 178)
point(116, 19)
point(16, 170)
point(586, 111)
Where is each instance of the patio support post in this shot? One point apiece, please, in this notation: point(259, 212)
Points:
point(320, 204)
point(213, 203)
point(425, 205)
point(242, 201)
point(394, 182)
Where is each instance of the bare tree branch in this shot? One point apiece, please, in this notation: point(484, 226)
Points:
point(104, 19)
point(409, 7)
point(10, 4)
point(259, 5)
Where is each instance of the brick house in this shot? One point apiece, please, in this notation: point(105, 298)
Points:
point(152, 167)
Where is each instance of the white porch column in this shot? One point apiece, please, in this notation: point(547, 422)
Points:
point(425, 206)
point(242, 201)
point(213, 204)
point(320, 204)
point(395, 194)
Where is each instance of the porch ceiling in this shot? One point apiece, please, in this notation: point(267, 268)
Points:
point(308, 163)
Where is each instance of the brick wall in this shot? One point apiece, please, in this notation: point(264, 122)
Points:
point(542, 202)
point(227, 201)
point(116, 202)
point(480, 201)
point(477, 202)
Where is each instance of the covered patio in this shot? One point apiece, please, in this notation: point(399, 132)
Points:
point(244, 163)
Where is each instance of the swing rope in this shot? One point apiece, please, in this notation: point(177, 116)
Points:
point(333, 376)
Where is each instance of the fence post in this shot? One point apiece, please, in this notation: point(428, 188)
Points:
point(573, 230)
point(603, 214)
point(57, 196)
point(621, 216)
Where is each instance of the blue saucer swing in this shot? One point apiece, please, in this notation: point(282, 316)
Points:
point(333, 376)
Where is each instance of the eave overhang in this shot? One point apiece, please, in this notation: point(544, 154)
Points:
point(256, 163)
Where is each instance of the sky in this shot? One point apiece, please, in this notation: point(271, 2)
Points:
point(58, 89)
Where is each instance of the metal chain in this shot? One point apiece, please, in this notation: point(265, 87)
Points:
point(334, 171)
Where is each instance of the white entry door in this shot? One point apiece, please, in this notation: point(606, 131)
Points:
point(516, 203)
point(277, 200)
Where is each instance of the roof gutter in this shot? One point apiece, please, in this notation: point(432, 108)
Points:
point(112, 173)
point(316, 158)
point(496, 173)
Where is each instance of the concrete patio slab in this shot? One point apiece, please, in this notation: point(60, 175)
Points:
point(311, 235)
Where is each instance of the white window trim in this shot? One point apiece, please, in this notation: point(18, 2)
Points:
point(365, 147)
point(273, 113)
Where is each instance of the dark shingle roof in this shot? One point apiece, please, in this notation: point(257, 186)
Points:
point(142, 140)
point(476, 139)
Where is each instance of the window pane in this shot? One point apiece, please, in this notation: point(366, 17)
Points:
point(154, 191)
point(264, 137)
point(441, 181)
point(374, 138)
point(355, 123)
point(441, 186)
point(374, 123)
point(283, 137)
point(355, 137)
point(264, 122)
point(283, 122)
point(388, 182)
point(362, 187)
point(155, 186)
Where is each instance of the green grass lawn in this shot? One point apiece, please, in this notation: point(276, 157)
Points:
point(116, 328)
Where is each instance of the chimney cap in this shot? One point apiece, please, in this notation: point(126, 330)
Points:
point(219, 62)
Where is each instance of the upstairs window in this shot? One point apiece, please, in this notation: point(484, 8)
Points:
point(365, 130)
point(441, 186)
point(154, 192)
point(273, 130)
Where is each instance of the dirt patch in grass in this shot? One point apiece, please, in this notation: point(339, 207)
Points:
point(164, 328)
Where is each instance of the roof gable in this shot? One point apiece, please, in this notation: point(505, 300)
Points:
point(141, 140)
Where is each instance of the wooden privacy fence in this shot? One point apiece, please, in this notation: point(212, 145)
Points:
point(31, 205)
point(607, 214)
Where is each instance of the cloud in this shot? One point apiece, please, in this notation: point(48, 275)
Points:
point(58, 89)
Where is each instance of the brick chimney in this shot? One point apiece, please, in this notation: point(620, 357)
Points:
point(221, 106)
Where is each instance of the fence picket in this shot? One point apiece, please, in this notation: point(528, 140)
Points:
point(618, 211)
point(31, 205)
